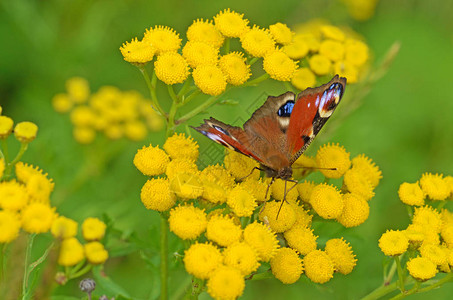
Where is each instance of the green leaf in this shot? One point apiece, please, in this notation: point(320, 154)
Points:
point(108, 284)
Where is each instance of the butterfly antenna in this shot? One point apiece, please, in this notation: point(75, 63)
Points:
point(268, 186)
point(314, 168)
point(284, 196)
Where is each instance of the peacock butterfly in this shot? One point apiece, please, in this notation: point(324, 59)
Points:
point(281, 129)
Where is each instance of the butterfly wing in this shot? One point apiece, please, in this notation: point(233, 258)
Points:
point(313, 108)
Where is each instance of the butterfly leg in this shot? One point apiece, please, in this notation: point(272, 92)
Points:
point(265, 197)
point(255, 168)
point(285, 193)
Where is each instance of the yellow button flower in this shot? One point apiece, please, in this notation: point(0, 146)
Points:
point(319, 267)
point(286, 265)
point(213, 191)
point(358, 184)
point(355, 211)
point(340, 252)
point(151, 161)
point(434, 253)
point(332, 32)
point(209, 79)
point(61, 103)
point(367, 168)
point(235, 67)
point(2, 167)
point(279, 66)
point(257, 41)
point(434, 186)
point(25, 171)
point(231, 23)
point(279, 190)
point(411, 194)
point(13, 195)
point(139, 52)
point(83, 116)
point(25, 132)
point(346, 69)
point(421, 268)
point(240, 166)
point(37, 217)
point(93, 229)
point(356, 52)
point(226, 283)
point(305, 188)
point(157, 195)
point(205, 31)
point(162, 38)
point(171, 68)
point(39, 187)
point(320, 64)
point(333, 156)
point(297, 49)
point(71, 252)
point(135, 130)
point(302, 216)
point(428, 218)
point(327, 201)
point(187, 185)
point(96, 253)
point(262, 239)
point(78, 89)
point(84, 135)
point(447, 234)
point(241, 256)
point(255, 187)
point(303, 78)
point(200, 53)
point(393, 242)
point(64, 228)
point(9, 226)
point(331, 49)
point(181, 165)
point(301, 238)
point(187, 221)
point(180, 146)
point(223, 231)
point(217, 173)
point(6, 126)
point(285, 219)
point(281, 33)
point(201, 260)
point(241, 202)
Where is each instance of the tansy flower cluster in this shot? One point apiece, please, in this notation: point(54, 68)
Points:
point(222, 211)
point(428, 240)
point(110, 112)
point(324, 50)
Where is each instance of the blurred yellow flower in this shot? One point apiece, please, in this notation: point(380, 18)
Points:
point(162, 38)
point(84, 135)
point(82, 116)
point(187, 221)
point(319, 267)
point(61, 103)
point(262, 239)
point(346, 69)
point(393, 243)
point(428, 218)
point(217, 173)
point(135, 130)
point(210, 79)
point(241, 256)
point(333, 156)
point(37, 217)
point(201, 260)
point(301, 238)
point(64, 228)
point(355, 211)
point(6, 126)
point(225, 283)
point(137, 51)
point(285, 220)
point(434, 186)
point(96, 253)
point(257, 41)
point(332, 32)
point(25, 132)
point(231, 23)
point(151, 161)
point(281, 188)
point(332, 49)
point(171, 68)
point(93, 229)
point(199, 53)
point(356, 52)
point(281, 33)
point(9, 226)
point(181, 165)
point(78, 89)
point(356, 183)
point(13, 195)
point(340, 252)
point(279, 66)
point(71, 252)
point(180, 146)
point(235, 67)
point(186, 185)
point(157, 195)
point(327, 201)
point(411, 194)
point(421, 268)
point(2, 166)
point(303, 78)
point(286, 265)
point(205, 31)
point(241, 202)
point(297, 49)
point(320, 64)
point(223, 231)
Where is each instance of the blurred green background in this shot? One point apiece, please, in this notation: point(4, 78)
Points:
point(405, 123)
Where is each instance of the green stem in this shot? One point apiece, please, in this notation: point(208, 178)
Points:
point(5, 151)
point(198, 109)
point(381, 291)
point(253, 60)
point(31, 238)
point(171, 119)
point(163, 257)
point(260, 276)
point(390, 274)
point(2, 262)
point(227, 45)
point(400, 273)
point(441, 204)
point(10, 165)
point(152, 90)
point(288, 86)
point(81, 272)
point(407, 293)
point(257, 80)
point(191, 96)
point(171, 91)
point(447, 278)
point(185, 87)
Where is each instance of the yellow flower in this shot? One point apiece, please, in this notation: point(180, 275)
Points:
point(434, 253)
point(340, 252)
point(180, 146)
point(162, 38)
point(241, 256)
point(286, 265)
point(157, 195)
point(83, 116)
point(305, 188)
point(137, 51)
point(327, 201)
point(319, 267)
point(151, 161)
point(303, 78)
point(415, 234)
point(61, 103)
point(9, 226)
point(241, 202)
point(320, 64)
point(333, 156)
point(428, 218)
point(231, 23)
point(361, 10)
point(114, 131)
point(93, 229)
point(209, 79)
point(301, 238)
point(434, 186)
point(279, 66)
point(186, 186)
point(256, 188)
point(214, 191)
point(71, 252)
point(135, 130)
point(355, 211)
point(356, 183)
point(84, 135)
point(64, 228)
point(346, 69)
point(6, 126)
point(393, 242)
point(187, 221)
point(356, 52)
point(78, 89)
point(411, 194)
point(13, 195)
point(262, 239)
point(258, 42)
point(25, 132)
point(222, 230)
point(235, 67)
point(302, 216)
point(281, 33)
point(332, 32)
point(199, 53)
point(25, 171)
point(368, 169)
point(2, 167)
point(297, 49)
point(96, 253)
point(37, 217)
point(201, 260)
point(421, 268)
point(216, 173)
point(281, 187)
point(181, 165)
point(447, 234)
point(39, 188)
point(204, 31)
point(331, 49)
point(285, 219)
point(171, 68)
point(240, 165)
point(225, 283)
point(449, 181)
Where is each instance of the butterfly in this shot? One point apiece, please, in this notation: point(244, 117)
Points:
point(281, 129)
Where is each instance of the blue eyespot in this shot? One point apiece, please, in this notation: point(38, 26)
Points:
point(286, 109)
point(338, 87)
